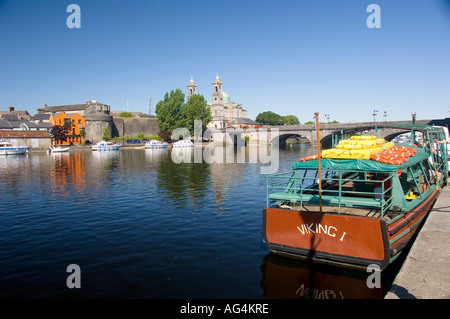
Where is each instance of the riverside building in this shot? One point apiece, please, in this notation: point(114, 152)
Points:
point(225, 112)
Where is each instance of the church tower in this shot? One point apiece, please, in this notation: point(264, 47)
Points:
point(217, 107)
point(192, 88)
point(217, 97)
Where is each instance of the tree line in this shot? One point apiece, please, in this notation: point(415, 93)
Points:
point(271, 118)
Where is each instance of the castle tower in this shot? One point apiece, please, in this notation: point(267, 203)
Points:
point(192, 88)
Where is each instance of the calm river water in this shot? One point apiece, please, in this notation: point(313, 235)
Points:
point(140, 225)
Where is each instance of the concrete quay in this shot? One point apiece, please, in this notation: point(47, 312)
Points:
point(425, 274)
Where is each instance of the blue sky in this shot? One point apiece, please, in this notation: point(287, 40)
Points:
point(288, 56)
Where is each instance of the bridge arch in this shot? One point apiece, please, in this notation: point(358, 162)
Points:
point(326, 131)
point(282, 138)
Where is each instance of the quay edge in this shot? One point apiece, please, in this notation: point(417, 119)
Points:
point(425, 271)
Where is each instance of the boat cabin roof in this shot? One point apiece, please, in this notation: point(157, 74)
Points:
point(361, 165)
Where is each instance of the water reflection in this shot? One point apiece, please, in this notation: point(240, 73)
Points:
point(156, 153)
point(10, 167)
point(106, 157)
point(127, 215)
point(67, 173)
point(11, 162)
point(294, 279)
point(182, 184)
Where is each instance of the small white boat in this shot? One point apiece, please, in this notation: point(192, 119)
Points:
point(8, 149)
point(105, 146)
point(183, 144)
point(154, 144)
point(58, 149)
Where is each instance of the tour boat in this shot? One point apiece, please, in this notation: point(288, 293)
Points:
point(154, 144)
point(357, 204)
point(8, 149)
point(183, 144)
point(58, 149)
point(105, 146)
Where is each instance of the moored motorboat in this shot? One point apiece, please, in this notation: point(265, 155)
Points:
point(58, 149)
point(154, 144)
point(183, 144)
point(362, 208)
point(105, 146)
point(7, 148)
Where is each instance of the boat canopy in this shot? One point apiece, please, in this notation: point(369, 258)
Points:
point(361, 165)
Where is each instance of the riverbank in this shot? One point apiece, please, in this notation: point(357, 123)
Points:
point(425, 272)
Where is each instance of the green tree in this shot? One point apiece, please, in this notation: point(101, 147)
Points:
point(125, 114)
point(83, 135)
point(168, 111)
point(195, 109)
point(269, 118)
point(290, 120)
point(106, 134)
point(59, 133)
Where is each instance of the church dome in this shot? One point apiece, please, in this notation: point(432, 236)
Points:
point(226, 98)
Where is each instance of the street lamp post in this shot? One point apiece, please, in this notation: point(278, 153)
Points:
point(327, 116)
point(374, 114)
point(385, 116)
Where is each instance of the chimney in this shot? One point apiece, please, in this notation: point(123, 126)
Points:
point(10, 109)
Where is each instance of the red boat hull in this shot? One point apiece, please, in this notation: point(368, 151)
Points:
point(346, 240)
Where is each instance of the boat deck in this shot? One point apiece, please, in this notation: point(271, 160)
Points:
point(354, 211)
point(308, 201)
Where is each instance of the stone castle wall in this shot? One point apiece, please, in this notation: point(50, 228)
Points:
point(95, 124)
point(118, 127)
point(133, 126)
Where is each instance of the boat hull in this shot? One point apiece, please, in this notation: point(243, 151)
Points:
point(59, 149)
point(14, 151)
point(344, 240)
point(105, 149)
point(402, 230)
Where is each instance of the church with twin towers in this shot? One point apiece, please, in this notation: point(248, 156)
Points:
point(225, 113)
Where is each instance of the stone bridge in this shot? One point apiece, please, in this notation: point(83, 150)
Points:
point(267, 134)
point(386, 130)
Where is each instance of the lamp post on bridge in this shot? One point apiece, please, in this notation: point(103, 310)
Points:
point(374, 114)
point(385, 116)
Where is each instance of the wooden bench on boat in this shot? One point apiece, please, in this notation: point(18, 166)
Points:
point(327, 199)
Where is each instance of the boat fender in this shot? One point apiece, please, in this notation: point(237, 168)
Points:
point(308, 158)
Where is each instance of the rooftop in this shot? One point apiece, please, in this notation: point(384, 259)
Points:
point(29, 134)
